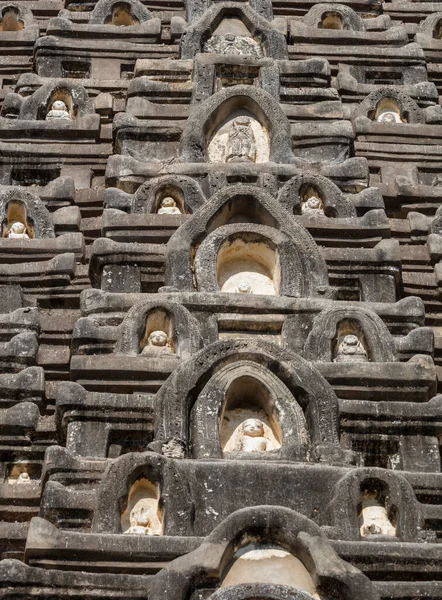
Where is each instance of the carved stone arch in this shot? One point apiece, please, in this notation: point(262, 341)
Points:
point(409, 109)
point(23, 13)
point(207, 412)
point(36, 106)
point(206, 117)
point(148, 196)
point(260, 591)
point(205, 23)
point(313, 270)
point(351, 20)
point(266, 524)
point(334, 202)
point(175, 399)
point(285, 252)
point(343, 507)
point(319, 344)
point(103, 9)
point(36, 211)
point(123, 473)
point(186, 336)
point(428, 25)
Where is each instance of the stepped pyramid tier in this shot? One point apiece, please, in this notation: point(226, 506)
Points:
point(220, 300)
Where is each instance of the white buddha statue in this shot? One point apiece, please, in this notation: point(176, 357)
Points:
point(374, 518)
point(158, 342)
point(58, 111)
point(252, 438)
point(140, 520)
point(23, 478)
point(244, 287)
point(168, 207)
point(350, 349)
point(388, 116)
point(18, 231)
point(312, 206)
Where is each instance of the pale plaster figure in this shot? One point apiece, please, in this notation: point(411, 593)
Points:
point(244, 287)
point(252, 438)
point(241, 144)
point(168, 207)
point(140, 520)
point(351, 350)
point(234, 45)
point(312, 206)
point(389, 116)
point(375, 519)
point(58, 111)
point(157, 342)
point(18, 231)
point(23, 478)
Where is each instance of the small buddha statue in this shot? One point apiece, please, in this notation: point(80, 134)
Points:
point(350, 349)
point(23, 478)
point(58, 111)
point(244, 287)
point(18, 231)
point(374, 518)
point(252, 438)
point(168, 207)
point(241, 145)
point(388, 116)
point(312, 206)
point(140, 520)
point(158, 342)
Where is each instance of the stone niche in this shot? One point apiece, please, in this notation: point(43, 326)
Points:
point(388, 111)
point(143, 515)
point(158, 337)
point(121, 15)
point(232, 37)
point(248, 422)
point(11, 19)
point(239, 138)
point(350, 343)
point(375, 516)
point(16, 223)
point(268, 563)
point(248, 267)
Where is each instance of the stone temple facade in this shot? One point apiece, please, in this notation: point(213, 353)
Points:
point(220, 300)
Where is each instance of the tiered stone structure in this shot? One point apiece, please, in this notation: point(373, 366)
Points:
point(221, 300)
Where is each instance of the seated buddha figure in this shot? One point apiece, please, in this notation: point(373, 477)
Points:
point(18, 231)
point(350, 349)
point(168, 207)
point(58, 111)
point(252, 438)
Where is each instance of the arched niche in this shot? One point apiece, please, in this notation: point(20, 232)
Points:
point(295, 193)
point(186, 399)
point(16, 219)
point(119, 13)
point(247, 266)
point(388, 110)
point(218, 114)
point(60, 104)
point(186, 192)
point(239, 138)
point(334, 16)
point(268, 564)
point(226, 18)
point(243, 394)
point(432, 25)
point(249, 259)
point(135, 476)
point(263, 526)
point(381, 488)
point(146, 318)
point(14, 17)
point(37, 105)
point(390, 99)
point(233, 38)
point(332, 325)
point(143, 513)
point(304, 274)
point(437, 32)
point(20, 206)
point(376, 514)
